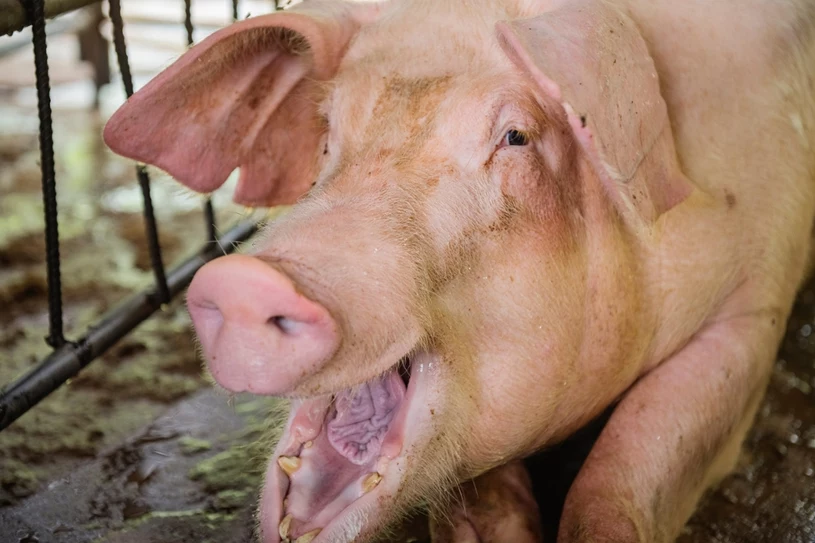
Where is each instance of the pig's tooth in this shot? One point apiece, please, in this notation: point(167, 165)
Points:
point(308, 444)
point(289, 464)
point(370, 481)
point(283, 529)
point(309, 537)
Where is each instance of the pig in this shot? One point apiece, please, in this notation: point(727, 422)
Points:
point(505, 217)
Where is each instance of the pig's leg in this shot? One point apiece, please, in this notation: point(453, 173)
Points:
point(678, 431)
point(496, 507)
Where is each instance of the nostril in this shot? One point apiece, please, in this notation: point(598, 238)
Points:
point(284, 324)
point(257, 332)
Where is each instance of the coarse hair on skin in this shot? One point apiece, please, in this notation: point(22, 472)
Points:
point(263, 40)
point(267, 39)
point(238, 48)
point(434, 485)
point(276, 414)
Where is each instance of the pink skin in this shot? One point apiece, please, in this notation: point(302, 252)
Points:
point(243, 310)
point(499, 218)
point(492, 506)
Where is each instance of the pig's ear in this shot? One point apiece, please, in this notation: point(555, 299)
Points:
point(591, 59)
point(244, 97)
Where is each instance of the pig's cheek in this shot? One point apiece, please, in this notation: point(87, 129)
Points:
point(516, 373)
point(485, 405)
point(507, 421)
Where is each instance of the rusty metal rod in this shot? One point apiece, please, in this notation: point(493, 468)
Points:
point(35, 11)
point(13, 16)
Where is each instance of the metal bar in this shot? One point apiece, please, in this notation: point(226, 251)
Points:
point(209, 218)
point(188, 22)
point(35, 12)
point(65, 25)
point(115, 14)
point(235, 10)
point(151, 233)
point(68, 360)
point(13, 16)
point(209, 210)
point(150, 227)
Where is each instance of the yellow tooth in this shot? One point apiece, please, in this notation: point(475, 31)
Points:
point(370, 482)
point(289, 464)
point(309, 537)
point(308, 444)
point(283, 529)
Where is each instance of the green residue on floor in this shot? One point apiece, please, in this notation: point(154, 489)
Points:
point(231, 499)
point(191, 445)
point(240, 467)
point(233, 469)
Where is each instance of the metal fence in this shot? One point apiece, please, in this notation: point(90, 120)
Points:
point(68, 357)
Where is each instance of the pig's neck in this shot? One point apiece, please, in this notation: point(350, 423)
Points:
point(692, 268)
point(619, 312)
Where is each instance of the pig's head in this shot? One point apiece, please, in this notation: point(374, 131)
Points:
point(458, 282)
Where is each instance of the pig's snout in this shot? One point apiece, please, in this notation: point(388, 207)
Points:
point(258, 333)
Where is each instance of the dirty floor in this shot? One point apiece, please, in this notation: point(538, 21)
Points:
point(139, 448)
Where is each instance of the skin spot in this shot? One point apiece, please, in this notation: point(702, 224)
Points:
point(409, 104)
point(582, 121)
point(730, 198)
point(506, 215)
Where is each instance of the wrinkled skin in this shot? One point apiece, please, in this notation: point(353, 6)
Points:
point(527, 228)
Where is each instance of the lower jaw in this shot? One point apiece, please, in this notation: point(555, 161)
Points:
point(356, 517)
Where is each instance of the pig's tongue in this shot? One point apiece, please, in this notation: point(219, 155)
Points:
point(341, 464)
point(363, 415)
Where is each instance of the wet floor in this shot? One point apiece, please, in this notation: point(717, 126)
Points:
point(139, 448)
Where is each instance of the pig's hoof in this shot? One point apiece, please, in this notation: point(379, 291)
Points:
point(496, 507)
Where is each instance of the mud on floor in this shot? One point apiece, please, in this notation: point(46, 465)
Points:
point(104, 260)
point(81, 428)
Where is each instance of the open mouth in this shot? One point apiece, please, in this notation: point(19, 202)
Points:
point(342, 458)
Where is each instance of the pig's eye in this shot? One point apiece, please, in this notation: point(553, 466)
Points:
point(515, 137)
